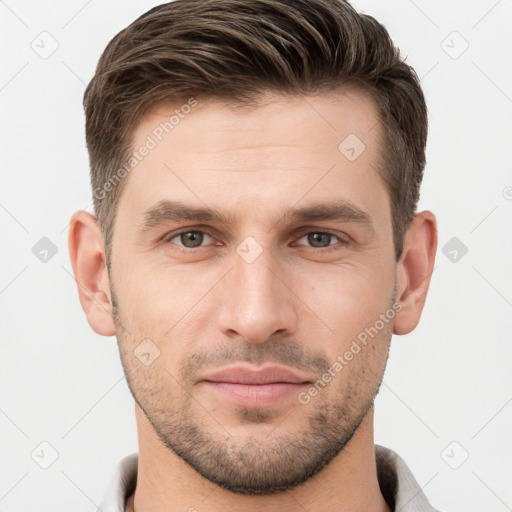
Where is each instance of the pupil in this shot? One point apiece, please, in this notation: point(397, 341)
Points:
point(195, 237)
point(315, 237)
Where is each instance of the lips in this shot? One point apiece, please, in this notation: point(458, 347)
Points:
point(259, 376)
point(250, 387)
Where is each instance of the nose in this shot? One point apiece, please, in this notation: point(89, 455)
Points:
point(256, 301)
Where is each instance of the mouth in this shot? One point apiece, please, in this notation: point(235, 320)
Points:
point(255, 387)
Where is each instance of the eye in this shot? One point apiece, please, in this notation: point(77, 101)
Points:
point(321, 239)
point(189, 239)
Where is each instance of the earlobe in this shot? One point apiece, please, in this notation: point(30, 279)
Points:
point(415, 271)
point(87, 253)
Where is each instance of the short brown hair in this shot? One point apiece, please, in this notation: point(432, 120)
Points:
point(237, 49)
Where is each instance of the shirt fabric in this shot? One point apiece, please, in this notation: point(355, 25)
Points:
point(397, 484)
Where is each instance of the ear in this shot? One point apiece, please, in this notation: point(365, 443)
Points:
point(414, 271)
point(87, 252)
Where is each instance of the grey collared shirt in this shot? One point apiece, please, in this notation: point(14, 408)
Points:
point(397, 484)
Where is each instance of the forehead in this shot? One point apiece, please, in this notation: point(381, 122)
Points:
point(284, 146)
point(301, 118)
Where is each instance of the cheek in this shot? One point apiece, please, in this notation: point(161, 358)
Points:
point(162, 300)
point(157, 300)
point(347, 300)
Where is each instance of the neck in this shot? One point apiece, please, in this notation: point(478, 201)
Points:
point(165, 483)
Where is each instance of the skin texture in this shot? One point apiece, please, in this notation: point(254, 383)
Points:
point(300, 304)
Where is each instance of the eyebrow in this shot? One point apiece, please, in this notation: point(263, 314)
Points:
point(166, 211)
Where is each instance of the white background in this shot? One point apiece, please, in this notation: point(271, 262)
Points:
point(447, 381)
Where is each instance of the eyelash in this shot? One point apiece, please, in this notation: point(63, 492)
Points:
point(172, 236)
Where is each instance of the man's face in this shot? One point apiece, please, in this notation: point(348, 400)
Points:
point(264, 288)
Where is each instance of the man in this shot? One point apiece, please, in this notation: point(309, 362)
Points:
point(256, 167)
